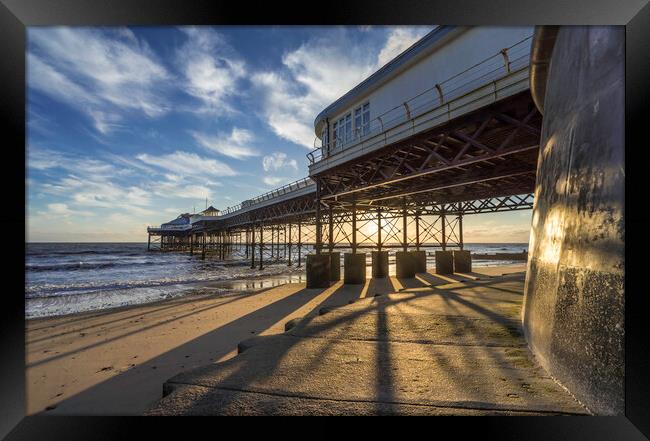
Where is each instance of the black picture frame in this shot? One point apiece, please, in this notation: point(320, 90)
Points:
point(16, 15)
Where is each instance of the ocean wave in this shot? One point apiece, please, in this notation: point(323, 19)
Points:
point(76, 266)
point(216, 274)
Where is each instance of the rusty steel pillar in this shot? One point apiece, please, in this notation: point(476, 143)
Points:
point(319, 238)
point(444, 234)
point(417, 230)
point(261, 246)
point(354, 226)
point(460, 230)
point(246, 240)
point(299, 243)
point(330, 238)
point(252, 236)
point(289, 254)
point(378, 229)
point(405, 238)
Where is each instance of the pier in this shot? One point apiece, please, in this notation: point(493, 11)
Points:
point(506, 130)
point(468, 145)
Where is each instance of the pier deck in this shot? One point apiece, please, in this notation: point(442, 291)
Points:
point(442, 345)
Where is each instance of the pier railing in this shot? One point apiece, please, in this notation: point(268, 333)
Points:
point(285, 189)
point(505, 62)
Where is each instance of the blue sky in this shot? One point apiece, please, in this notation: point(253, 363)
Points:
point(128, 127)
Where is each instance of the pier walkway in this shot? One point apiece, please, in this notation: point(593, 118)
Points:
point(437, 345)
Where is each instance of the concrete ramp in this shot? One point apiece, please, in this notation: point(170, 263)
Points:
point(454, 349)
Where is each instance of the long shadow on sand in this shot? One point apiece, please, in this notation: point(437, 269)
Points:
point(126, 393)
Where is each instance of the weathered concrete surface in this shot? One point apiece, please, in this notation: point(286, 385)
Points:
point(444, 262)
point(335, 266)
point(574, 307)
point(404, 265)
point(380, 264)
point(354, 268)
point(318, 270)
point(419, 261)
point(455, 349)
point(462, 261)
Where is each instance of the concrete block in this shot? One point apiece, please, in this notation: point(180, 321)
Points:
point(380, 264)
point(419, 261)
point(462, 261)
point(318, 270)
point(404, 264)
point(444, 262)
point(335, 266)
point(354, 268)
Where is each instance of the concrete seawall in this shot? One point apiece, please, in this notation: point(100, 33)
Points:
point(573, 313)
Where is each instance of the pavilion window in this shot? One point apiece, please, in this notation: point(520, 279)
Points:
point(362, 120)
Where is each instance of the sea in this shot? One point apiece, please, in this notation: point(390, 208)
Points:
point(67, 278)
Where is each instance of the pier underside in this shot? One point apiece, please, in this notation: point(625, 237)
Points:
point(447, 345)
point(488, 153)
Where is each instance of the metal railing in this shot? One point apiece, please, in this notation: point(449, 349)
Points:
point(491, 69)
point(288, 188)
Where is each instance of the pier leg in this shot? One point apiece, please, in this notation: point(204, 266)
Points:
point(379, 264)
point(444, 234)
point(444, 262)
point(289, 262)
point(318, 270)
point(417, 231)
point(262, 246)
point(460, 230)
point(148, 242)
point(405, 245)
point(379, 229)
point(253, 247)
point(462, 261)
point(272, 233)
point(354, 268)
point(419, 259)
point(354, 228)
point(299, 243)
point(404, 265)
point(335, 266)
point(191, 245)
point(203, 247)
point(319, 233)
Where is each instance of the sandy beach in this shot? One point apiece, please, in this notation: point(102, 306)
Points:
point(114, 362)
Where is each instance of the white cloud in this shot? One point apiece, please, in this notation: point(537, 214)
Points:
point(400, 39)
point(278, 160)
point(211, 69)
point(317, 74)
point(314, 75)
point(101, 73)
point(59, 209)
point(234, 145)
point(273, 181)
point(188, 164)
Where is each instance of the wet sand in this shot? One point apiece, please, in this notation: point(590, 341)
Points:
point(114, 362)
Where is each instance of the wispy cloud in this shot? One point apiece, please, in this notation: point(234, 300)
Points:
point(318, 73)
point(211, 69)
point(102, 73)
point(188, 164)
point(274, 181)
point(278, 160)
point(233, 144)
point(58, 209)
point(400, 39)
